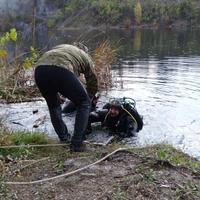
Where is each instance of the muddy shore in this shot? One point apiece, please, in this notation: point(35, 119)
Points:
point(158, 172)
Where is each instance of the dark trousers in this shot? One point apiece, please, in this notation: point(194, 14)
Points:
point(52, 80)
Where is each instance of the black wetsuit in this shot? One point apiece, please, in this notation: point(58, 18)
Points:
point(121, 125)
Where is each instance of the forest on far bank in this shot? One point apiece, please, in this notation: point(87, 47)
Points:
point(96, 13)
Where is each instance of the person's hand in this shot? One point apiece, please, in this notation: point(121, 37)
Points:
point(94, 101)
point(62, 99)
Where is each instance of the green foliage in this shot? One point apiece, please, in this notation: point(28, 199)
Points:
point(188, 191)
point(17, 152)
point(195, 167)
point(169, 155)
point(116, 12)
point(164, 155)
point(156, 11)
point(13, 34)
point(60, 13)
point(29, 61)
point(4, 40)
point(112, 11)
point(185, 9)
point(51, 23)
point(13, 82)
point(23, 138)
point(3, 191)
point(119, 194)
point(106, 11)
point(60, 166)
point(8, 36)
point(150, 175)
point(3, 53)
point(74, 6)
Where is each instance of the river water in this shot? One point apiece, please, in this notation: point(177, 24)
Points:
point(160, 69)
point(167, 94)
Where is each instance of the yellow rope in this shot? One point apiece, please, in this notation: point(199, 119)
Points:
point(48, 145)
point(31, 145)
point(130, 115)
point(65, 174)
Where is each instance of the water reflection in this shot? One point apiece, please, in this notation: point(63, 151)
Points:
point(167, 92)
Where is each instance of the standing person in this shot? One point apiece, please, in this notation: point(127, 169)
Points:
point(57, 72)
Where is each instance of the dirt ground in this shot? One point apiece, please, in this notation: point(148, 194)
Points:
point(128, 174)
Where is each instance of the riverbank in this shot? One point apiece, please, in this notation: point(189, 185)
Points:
point(73, 13)
point(102, 172)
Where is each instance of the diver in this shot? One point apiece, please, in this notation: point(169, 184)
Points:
point(119, 116)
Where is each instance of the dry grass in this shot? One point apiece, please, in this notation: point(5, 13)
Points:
point(16, 85)
point(103, 57)
point(5, 132)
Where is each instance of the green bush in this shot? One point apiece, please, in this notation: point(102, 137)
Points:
point(74, 6)
point(50, 23)
point(185, 9)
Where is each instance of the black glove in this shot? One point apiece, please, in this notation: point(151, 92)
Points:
point(94, 101)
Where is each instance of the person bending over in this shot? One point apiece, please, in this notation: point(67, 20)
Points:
point(57, 72)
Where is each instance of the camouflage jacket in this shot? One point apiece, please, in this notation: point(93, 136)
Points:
point(73, 59)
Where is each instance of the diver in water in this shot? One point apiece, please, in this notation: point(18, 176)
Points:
point(120, 117)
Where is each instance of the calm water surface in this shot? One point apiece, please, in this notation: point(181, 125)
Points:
point(161, 71)
point(167, 93)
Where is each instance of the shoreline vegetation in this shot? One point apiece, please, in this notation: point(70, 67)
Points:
point(98, 13)
point(133, 14)
point(16, 73)
point(152, 172)
point(16, 86)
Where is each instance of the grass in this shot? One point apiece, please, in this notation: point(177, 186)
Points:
point(188, 191)
point(162, 153)
point(120, 194)
point(104, 56)
point(23, 138)
point(150, 175)
point(20, 138)
point(15, 86)
point(8, 138)
point(3, 191)
point(143, 171)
